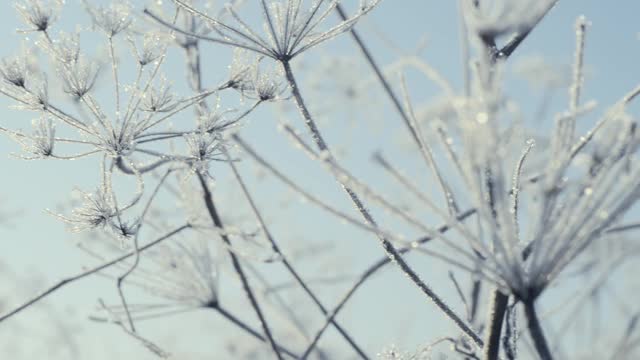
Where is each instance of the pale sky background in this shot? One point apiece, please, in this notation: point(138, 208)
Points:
point(36, 249)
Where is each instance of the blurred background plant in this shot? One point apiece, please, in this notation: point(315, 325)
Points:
point(220, 141)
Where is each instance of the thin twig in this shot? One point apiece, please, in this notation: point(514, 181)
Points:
point(286, 262)
point(229, 316)
point(217, 222)
point(372, 269)
point(71, 279)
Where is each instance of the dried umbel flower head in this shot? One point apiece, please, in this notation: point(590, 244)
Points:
point(14, 71)
point(202, 148)
point(43, 137)
point(22, 80)
point(116, 143)
point(240, 70)
point(267, 88)
point(182, 270)
point(214, 122)
point(40, 143)
point(97, 210)
point(65, 49)
point(79, 77)
point(159, 99)
point(154, 45)
point(113, 19)
point(39, 14)
point(290, 29)
point(190, 271)
point(248, 77)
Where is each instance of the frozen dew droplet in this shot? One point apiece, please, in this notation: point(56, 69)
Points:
point(603, 214)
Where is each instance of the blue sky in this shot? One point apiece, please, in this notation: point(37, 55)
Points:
point(39, 250)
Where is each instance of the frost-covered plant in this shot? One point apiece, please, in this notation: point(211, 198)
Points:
point(519, 215)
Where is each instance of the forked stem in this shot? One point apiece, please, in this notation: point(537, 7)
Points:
point(390, 250)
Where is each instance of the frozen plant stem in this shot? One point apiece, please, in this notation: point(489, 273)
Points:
point(371, 270)
point(535, 330)
point(286, 262)
point(391, 251)
point(217, 222)
point(136, 261)
point(232, 318)
point(497, 309)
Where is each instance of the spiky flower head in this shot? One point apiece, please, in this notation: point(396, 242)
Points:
point(203, 147)
point(39, 14)
point(113, 19)
point(79, 77)
point(290, 28)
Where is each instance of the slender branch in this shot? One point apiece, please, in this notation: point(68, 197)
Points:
point(136, 262)
point(114, 68)
point(217, 222)
point(406, 115)
point(71, 279)
point(232, 318)
point(286, 262)
point(372, 269)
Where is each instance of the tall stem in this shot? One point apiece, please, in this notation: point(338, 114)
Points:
point(536, 332)
point(497, 309)
point(217, 222)
point(390, 250)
